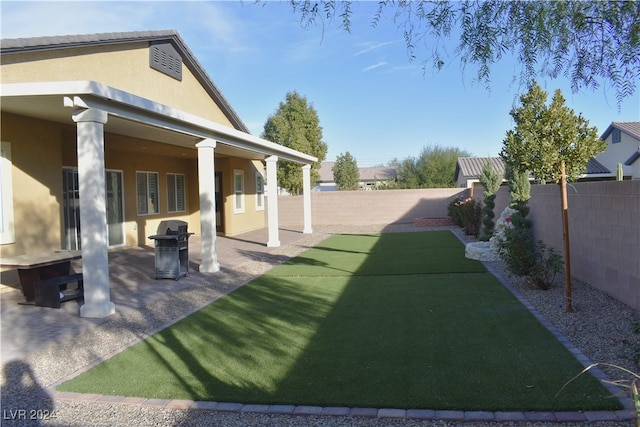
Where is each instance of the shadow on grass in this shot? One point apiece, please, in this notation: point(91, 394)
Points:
point(429, 339)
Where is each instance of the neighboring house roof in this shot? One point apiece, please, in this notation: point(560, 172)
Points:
point(21, 45)
point(594, 167)
point(374, 173)
point(630, 128)
point(471, 167)
point(379, 173)
point(326, 172)
point(635, 156)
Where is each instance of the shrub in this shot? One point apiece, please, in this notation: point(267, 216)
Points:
point(466, 213)
point(490, 180)
point(517, 247)
point(471, 216)
point(548, 264)
point(487, 217)
point(454, 211)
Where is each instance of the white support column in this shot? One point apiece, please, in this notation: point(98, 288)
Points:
point(272, 200)
point(306, 198)
point(93, 213)
point(207, 180)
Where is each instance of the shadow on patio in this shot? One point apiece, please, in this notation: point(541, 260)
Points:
point(27, 328)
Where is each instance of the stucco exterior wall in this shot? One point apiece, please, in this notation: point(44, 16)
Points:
point(118, 67)
point(619, 153)
point(37, 183)
point(251, 218)
point(40, 151)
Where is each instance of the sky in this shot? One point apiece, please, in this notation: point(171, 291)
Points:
point(371, 99)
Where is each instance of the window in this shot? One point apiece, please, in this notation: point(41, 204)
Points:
point(259, 192)
point(175, 192)
point(147, 193)
point(238, 190)
point(6, 195)
point(616, 136)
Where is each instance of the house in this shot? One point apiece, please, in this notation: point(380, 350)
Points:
point(371, 178)
point(623, 146)
point(468, 170)
point(105, 135)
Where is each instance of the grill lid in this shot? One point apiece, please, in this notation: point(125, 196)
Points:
point(172, 226)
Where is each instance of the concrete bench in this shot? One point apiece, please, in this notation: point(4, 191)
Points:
point(53, 292)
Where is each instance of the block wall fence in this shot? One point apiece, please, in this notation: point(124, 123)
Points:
point(604, 223)
point(368, 207)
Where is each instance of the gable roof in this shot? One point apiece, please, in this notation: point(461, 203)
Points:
point(635, 156)
point(377, 173)
point(594, 167)
point(366, 174)
point(51, 43)
point(630, 128)
point(471, 167)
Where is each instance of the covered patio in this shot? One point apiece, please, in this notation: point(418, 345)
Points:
point(134, 290)
point(97, 109)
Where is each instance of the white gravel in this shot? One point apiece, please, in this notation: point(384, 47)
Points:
point(600, 326)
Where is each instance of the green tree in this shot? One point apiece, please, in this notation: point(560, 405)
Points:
point(345, 172)
point(296, 125)
point(520, 189)
point(544, 136)
point(585, 40)
point(555, 144)
point(490, 180)
point(434, 168)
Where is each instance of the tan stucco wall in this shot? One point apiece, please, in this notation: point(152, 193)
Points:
point(114, 66)
point(40, 150)
point(252, 218)
point(37, 183)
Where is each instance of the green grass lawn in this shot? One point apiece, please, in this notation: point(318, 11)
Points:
point(392, 320)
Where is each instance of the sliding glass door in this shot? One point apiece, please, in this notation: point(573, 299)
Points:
point(71, 208)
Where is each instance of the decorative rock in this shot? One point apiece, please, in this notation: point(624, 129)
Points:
point(481, 251)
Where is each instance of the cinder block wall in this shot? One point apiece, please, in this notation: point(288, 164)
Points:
point(368, 207)
point(604, 223)
point(604, 233)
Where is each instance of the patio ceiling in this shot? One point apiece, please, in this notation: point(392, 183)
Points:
point(175, 131)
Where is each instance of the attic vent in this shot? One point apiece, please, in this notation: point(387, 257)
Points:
point(164, 58)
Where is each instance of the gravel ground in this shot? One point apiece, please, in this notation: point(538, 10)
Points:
point(600, 326)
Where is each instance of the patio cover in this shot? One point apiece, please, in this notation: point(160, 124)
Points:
point(96, 109)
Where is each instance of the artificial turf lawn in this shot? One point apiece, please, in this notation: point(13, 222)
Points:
point(392, 320)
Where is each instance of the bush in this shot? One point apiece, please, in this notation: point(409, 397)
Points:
point(490, 180)
point(466, 213)
point(524, 257)
point(454, 211)
point(487, 217)
point(548, 264)
point(517, 247)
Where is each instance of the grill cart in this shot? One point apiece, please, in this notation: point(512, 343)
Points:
point(172, 249)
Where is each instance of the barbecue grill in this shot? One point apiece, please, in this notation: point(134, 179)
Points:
point(172, 249)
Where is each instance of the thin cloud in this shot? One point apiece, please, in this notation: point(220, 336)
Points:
point(369, 46)
point(374, 66)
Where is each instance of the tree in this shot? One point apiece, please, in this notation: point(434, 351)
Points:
point(345, 172)
point(584, 40)
point(434, 168)
point(553, 143)
point(296, 125)
point(490, 180)
point(520, 189)
point(545, 136)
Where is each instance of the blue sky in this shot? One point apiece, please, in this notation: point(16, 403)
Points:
point(371, 100)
